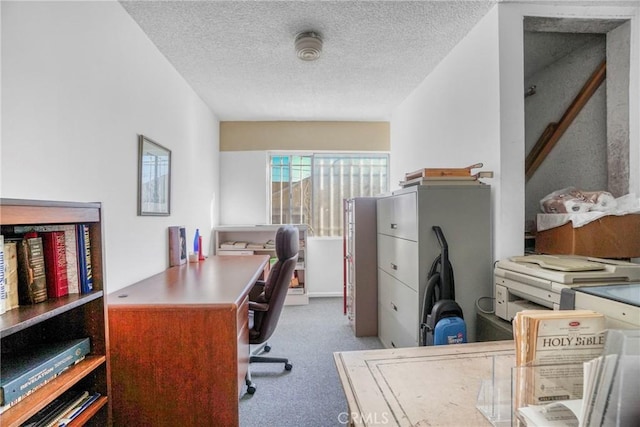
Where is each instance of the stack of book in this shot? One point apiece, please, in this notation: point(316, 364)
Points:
point(445, 176)
point(44, 262)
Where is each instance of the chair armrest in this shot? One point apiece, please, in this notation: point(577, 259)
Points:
point(258, 306)
point(256, 290)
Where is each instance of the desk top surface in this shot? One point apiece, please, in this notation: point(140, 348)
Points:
point(220, 280)
point(420, 386)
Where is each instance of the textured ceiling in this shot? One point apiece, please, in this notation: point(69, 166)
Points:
point(239, 56)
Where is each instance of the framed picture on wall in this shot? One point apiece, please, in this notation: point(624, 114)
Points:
point(154, 178)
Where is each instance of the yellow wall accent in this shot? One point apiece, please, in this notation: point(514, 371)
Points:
point(303, 136)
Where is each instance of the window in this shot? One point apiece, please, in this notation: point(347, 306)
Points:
point(310, 188)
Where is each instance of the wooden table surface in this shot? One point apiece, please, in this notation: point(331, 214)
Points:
point(219, 280)
point(421, 386)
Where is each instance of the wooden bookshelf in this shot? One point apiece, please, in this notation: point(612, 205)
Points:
point(69, 317)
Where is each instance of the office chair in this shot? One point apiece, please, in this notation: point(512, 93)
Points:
point(267, 299)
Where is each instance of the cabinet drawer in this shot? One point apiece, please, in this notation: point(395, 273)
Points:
point(399, 258)
point(399, 305)
point(397, 216)
point(391, 332)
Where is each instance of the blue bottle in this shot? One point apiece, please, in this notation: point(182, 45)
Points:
point(196, 242)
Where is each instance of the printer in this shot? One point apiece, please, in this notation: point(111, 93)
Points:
point(620, 303)
point(538, 281)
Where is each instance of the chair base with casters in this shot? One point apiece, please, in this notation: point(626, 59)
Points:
point(257, 357)
point(266, 300)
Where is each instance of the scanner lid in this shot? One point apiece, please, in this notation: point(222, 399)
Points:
point(572, 269)
point(627, 293)
point(560, 263)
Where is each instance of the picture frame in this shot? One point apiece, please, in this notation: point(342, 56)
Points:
point(154, 178)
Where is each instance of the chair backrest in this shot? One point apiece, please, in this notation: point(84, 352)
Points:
point(278, 281)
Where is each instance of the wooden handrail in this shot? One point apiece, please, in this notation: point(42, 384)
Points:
point(554, 131)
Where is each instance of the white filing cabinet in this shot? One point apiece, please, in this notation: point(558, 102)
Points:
point(407, 247)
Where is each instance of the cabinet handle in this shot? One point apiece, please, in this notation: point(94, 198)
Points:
point(394, 266)
point(394, 226)
point(395, 307)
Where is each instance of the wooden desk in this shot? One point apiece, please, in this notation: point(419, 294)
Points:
point(418, 386)
point(180, 344)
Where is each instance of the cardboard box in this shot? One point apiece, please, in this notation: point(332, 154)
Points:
point(612, 236)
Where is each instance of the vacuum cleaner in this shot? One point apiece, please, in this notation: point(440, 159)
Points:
point(442, 318)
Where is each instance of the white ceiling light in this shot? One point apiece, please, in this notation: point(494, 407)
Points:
point(308, 45)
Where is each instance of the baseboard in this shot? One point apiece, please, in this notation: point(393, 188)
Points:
point(324, 294)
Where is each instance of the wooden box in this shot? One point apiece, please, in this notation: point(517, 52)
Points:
point(612, 236)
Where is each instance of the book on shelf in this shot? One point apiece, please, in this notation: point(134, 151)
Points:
point(85, 273)
point(23, 371)
point(71, 251)
point(55, 258)
point(177, 245)
point(3, 282)
point(77, 409)
point(227, 245)
point(63, 409)
point(51, 414)
point(255, 245)
point(551, 348)
point(32, 279)
point(11, 275)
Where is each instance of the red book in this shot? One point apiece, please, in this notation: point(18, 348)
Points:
point(55, 256)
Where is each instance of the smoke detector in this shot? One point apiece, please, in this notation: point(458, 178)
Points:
point(308, 45)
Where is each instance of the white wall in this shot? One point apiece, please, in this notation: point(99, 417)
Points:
point(80, 81)
point(325, 257)
point(243, 187)
point(453, 118)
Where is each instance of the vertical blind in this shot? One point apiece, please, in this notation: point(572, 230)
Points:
point(310, 189)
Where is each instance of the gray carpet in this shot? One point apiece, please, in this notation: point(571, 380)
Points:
point(310, 394)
